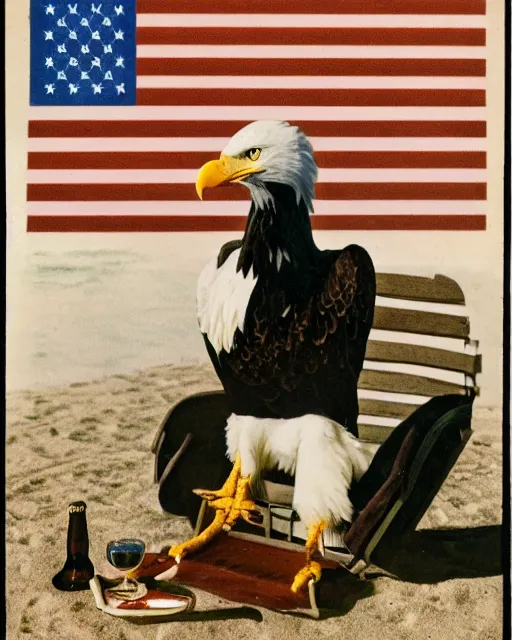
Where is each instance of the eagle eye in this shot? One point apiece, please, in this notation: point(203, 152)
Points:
point(253, 154)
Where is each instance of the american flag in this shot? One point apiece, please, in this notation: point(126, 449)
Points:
point(390, 92)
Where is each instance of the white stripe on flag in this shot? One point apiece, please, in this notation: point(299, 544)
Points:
point(255, 21)
point(181, 176)
point(310, 82)
point(215, 145)
point(241, 207)
point(308, 51)
point(251, 112)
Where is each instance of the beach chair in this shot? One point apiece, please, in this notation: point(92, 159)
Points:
point(416, 392)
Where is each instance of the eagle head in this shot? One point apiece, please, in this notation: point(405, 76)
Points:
point(261, 153)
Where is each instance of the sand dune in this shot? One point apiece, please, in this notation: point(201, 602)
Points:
point(92, 441)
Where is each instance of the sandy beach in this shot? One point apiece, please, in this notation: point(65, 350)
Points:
point(92, 441)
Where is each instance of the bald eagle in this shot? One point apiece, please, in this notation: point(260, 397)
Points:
point(286, 327)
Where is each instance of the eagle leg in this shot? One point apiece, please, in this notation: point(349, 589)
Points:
point(228, 489)
point(243, 506)
point(230, 502)
point(194, 544)
point(312, 569)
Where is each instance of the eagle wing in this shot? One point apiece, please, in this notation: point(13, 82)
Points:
point(305, 357)
point(344, 308)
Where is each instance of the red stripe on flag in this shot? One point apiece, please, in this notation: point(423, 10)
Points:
point(308, 67)
point(324, 191)
point(314, 97)
point(194, 159)
point(415, 7)
point(310, 36)
point(221, 128)
point(237, 223)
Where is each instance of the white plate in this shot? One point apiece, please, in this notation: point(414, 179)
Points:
point(172, 606)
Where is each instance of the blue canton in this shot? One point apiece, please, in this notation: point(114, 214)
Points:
point(82, 53)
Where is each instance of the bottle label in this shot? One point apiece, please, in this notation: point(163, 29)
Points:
point(76, 508)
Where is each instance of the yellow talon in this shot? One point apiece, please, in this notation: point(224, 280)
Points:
point(312, 571)
point(242, 503)
point(230, 502)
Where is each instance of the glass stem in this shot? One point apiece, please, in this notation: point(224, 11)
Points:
point(126, 585)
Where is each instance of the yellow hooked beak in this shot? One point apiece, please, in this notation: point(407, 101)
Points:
point(225, 170)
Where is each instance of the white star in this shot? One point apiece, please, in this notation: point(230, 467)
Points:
point(73, 62)
point(97, 88)
point(107, 22)
point(61, 75)
point(96, 62)
point(50, 88)
point(50, 9)
point(85, 48)
point(48, 35)
point(119, 10)
point(84, 76)
point(120, 88)
point(108, 76)
point(96, 9)
point(61, 22)
point(84, 22)
point(72, 35)
point(61, 48)
point(73, 9)
point(95, 35)
point(120, 62)
point(48, 62)
point(119, 35)
point(107, 48)
point(73, 88)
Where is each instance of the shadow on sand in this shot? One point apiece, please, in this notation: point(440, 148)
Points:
point(421, 557)
point(429, 556)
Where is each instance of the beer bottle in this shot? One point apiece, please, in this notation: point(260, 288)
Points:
point(78, 569)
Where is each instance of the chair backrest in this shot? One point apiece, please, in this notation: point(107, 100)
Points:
point(419, 347)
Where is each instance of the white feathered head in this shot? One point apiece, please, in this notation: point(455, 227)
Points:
point(264, 151)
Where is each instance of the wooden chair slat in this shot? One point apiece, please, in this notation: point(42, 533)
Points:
point(381, 351)
point(422, 322)
point(385, 409)
point(406, 383)
point(373, 433)
point(437, 289)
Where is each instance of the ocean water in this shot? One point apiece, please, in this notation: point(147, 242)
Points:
point(85, 313)
point(84, 306)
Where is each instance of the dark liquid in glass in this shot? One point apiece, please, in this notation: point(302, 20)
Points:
point(124, 560)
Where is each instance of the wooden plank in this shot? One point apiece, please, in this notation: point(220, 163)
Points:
point(385, 409)
point(381, 351)
point(436, 289)
point(373, 433)
point(406, 383)
point(423, 322)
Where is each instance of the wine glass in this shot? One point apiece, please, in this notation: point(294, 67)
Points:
point(126, 554)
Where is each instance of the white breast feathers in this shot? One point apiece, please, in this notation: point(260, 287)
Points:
point(222, 298)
